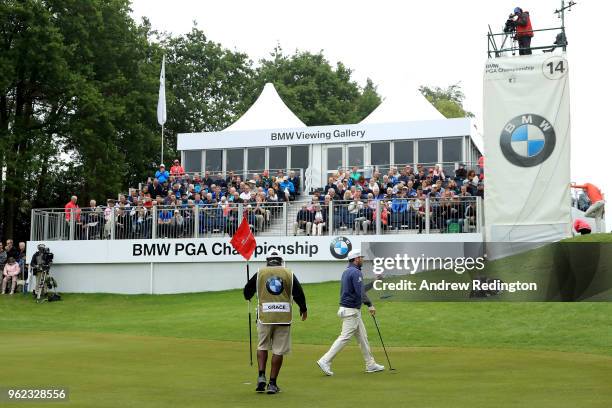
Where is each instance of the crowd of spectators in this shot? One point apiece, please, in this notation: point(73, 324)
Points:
point(177, 196)
point(13, 264)
point(401, 196)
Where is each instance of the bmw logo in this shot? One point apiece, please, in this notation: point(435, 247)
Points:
point(274, 284)
point(340, 247)
point(527, 140)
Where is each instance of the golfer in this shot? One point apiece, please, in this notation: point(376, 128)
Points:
point(352, 295)
point(276, 288)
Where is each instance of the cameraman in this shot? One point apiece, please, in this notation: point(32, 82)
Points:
point(524, 31)
point(40, 260)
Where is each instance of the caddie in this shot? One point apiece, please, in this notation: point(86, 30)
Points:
point(352, 296)
point(277, 288)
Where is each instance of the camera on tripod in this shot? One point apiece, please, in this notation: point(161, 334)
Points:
point(45, 284)
point(510, 26)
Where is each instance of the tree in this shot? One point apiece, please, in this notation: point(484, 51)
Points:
point(315, 91)
point(448, 101)
point(76, 81)
point(207, 86)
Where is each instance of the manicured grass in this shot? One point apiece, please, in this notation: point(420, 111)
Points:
point(111, 370)
point(191, 350)
point(603, 237)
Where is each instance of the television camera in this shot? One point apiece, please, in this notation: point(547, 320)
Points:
point(41, 268)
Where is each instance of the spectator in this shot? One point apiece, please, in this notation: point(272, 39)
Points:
point(287, 188)
point(356, 214)
point(162, 174)
point(582, 227)
point(399, 210)
point(295, 180)
point(21, 259)
point(355, 175)
point(319, 220)
point(460, 174)
point(157, 189)
point(469, 218)
point(3, 256)
point(10, 272)
point(177, 169)
point(71, 209)
point(11, 251)
point(303, 221)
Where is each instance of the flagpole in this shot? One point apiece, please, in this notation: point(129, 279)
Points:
point(162, 144)
point(250, 324)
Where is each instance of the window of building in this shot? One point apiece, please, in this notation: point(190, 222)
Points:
point(300, 157)
point(356, 156)
point(380, 153)
point(193, 161)
point(234, 160)
point(214, 161)
point(428, 152)
point(256, 159)
point(277, 158)
point(403, 152)
point(451, 150)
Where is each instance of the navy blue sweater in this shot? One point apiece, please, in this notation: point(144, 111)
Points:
point(352, 291)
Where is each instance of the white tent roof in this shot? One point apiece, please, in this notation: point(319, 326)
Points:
point(403, 107)
point(268, 112)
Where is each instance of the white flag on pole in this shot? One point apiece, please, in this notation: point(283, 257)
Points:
point(161, 102)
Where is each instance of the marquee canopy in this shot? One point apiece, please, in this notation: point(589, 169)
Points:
point(268, 112)
point(403, 106)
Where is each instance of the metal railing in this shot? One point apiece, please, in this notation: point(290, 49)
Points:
point(367, 216)
point(138, 222)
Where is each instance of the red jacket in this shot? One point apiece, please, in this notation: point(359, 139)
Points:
point(581, 224)
point(69, 208)
point(523, 25)
point(592, 191)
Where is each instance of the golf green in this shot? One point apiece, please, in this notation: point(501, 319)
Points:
point(190, 350)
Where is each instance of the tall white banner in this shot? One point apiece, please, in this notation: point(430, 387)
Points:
point(527, 148)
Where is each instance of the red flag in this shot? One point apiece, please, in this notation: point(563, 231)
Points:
point(243, 240)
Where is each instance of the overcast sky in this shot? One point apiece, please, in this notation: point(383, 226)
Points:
point(405, 44)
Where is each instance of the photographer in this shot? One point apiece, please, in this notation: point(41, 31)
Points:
point(524, 31)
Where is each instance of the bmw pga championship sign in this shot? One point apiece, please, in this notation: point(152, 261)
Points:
point(527, 148)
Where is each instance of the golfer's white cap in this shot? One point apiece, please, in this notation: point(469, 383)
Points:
point(355, 253)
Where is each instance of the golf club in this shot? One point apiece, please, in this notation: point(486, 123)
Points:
point(383, 343)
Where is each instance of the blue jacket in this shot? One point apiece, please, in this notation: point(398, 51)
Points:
point(287, 184)
point(162, 177)
point(399, 205)
point(352, 291)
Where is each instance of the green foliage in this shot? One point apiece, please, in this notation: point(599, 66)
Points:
point(206, 85)
point(448, 101)
point(75, 87)
point(79, 82)
point(316, 92)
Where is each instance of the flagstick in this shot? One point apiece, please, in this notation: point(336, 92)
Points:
point(249, 307)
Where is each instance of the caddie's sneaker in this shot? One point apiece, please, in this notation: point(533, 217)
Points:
point(372, 368)
point(273, 388)
point(261, 383)
point(326, 368)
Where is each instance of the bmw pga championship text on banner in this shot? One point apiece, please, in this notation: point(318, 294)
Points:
point(527, 148)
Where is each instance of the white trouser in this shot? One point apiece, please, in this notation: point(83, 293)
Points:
point(352, 325)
